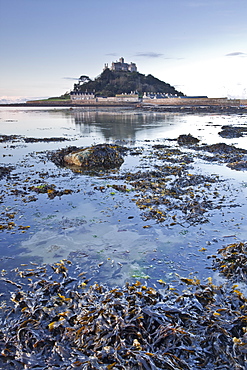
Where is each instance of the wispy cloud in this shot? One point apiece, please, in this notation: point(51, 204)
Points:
point(70, 78)
point(236, 54)
point(173, 58)
point(149, 54)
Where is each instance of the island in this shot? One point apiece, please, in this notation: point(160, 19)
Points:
point(122, 85)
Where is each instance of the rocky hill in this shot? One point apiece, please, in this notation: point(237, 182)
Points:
point(110, 83)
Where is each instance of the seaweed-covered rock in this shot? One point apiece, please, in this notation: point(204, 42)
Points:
point(223, 148)
point(222, 153)
point(187, 140)
point(102, 155)
point(239, 166)
point(96, 156)
point(230, 132)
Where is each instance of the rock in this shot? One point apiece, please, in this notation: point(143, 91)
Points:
point(187, 140)
point(99, 156)
point(223, 148)
point(57, 156)
point(239, 166)
point(230, 132)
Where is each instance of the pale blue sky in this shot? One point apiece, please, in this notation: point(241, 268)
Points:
point(200, 47)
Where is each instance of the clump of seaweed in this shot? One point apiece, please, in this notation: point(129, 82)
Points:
point(63, 322)
point(5, 171)
point(233, 261)
point(181, 197)
point(16, 138)
point(223, 153)
point(169, 192)
point(50, 190)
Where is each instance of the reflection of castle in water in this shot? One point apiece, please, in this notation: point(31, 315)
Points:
point(119, 124)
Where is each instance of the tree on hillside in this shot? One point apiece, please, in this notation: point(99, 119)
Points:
point(84, 79)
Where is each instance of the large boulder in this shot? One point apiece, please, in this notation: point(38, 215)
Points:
point(97, 156)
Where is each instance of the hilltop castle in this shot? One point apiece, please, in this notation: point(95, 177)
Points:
point(122, 66)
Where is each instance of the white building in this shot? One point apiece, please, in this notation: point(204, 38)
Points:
point(74, 95)
point(154, 95)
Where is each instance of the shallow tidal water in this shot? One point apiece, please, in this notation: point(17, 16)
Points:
point(104, 232)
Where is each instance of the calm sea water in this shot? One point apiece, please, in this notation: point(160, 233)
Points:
point(104, 232)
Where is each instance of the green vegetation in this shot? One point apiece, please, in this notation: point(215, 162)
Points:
point(61, 98)
point(65, 96)
point(110, 83)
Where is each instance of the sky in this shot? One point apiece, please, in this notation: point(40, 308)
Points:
point(197, 46)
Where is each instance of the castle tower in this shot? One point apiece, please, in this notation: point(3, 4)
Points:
point(122, 66)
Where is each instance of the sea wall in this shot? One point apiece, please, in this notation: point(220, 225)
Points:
point(85, 103)
point(243, 101)
point(168, 102)
point(193, 102)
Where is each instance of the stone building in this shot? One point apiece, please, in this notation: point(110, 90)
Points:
point(132, 97)
point(122, 66)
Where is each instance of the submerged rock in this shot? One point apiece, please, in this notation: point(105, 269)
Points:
point(187, 140)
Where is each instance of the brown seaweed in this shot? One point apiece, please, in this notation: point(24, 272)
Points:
point(233, 261)
point(54, 320)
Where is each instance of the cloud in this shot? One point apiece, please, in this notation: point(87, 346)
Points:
point(236, 54)
point(173, 58)
point(149, 54)
point(152, 54)
point(70, 78)
point(112, 54)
